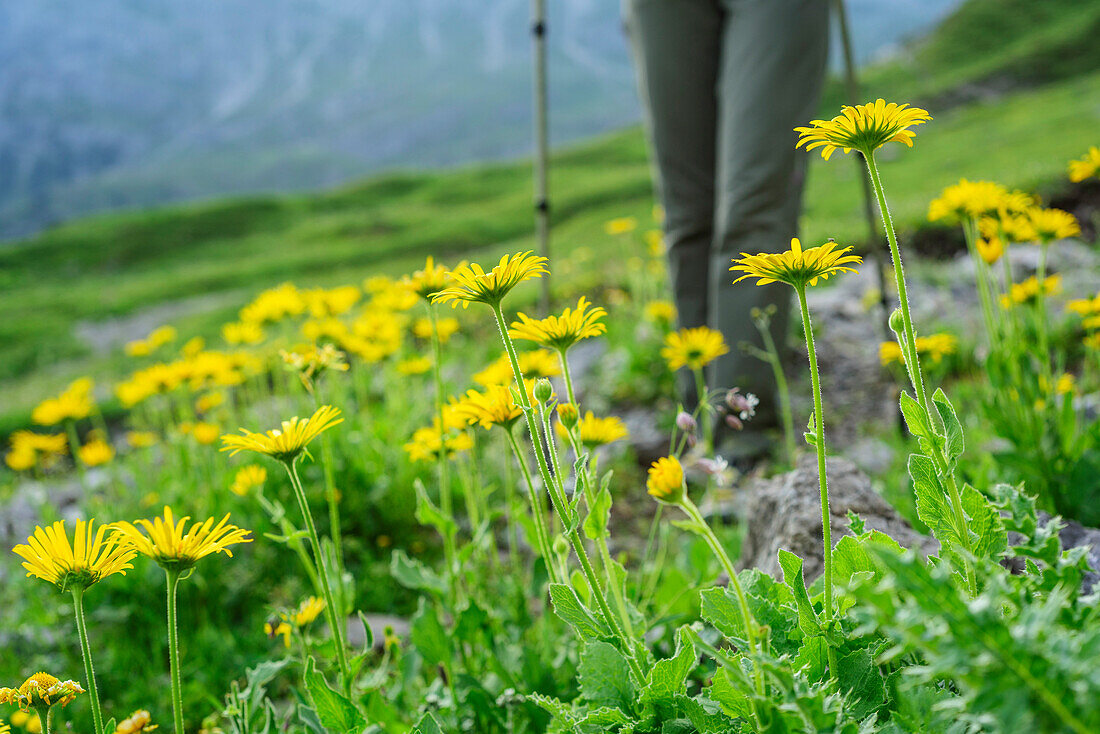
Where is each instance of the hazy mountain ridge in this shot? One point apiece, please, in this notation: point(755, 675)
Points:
point(137, 102)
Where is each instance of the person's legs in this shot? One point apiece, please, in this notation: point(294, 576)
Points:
point(770, 79)
point(675, 45)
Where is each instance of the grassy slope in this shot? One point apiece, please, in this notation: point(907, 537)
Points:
point(95, 270)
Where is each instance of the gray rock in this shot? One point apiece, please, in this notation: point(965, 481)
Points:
point(785, 512)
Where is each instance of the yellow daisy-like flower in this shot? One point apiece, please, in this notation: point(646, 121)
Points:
point(205, 433)
point(41, 689)
point(472, 284)
point(967, 199)
point(72, 404)
point(561, 332)
point(1052, 224)
point(865, 128)
point(243, 332)
point(796, 267)
point(693, 348)
point(593, 431)
point(666, 480)
point(274, 629)
point(1066, 384)
point(429, 281)
point(446, 328)
point(247, 479)
point(288, 441)
point(620, 225)
point(990, 250)
point(1029, 290)
point(933, 347)
point(660, 312)
point(414, 366)
point(48, 555)
point(1084, 306)
point(173, 545)
point(1086, 167)
point(139, 721)
point(95, 453)
point(494, 407)
point(426, 444)
point(307, 612)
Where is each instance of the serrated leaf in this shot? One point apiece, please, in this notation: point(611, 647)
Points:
point(718, 607)
point(335, 712)
point(605, 718)
point(604, 676)
point(860, 678)
point(412, 574)
point(793, 578)
point(568, 607)
point(985, 524)
point(731, 695)
point(955, 444)
point(851, 556)
point(667, 677)
point(428, 724)
point(595, 524)
point(915, 418)
point(932, 505)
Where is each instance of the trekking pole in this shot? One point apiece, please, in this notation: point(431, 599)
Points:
point(542, 144)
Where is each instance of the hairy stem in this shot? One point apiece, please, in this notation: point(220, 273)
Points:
point(86, 651)
point(173, 577)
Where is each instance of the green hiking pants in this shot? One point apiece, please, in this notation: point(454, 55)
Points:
point(723, 83)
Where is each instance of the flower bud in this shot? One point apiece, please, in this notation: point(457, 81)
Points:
point(561, 545)
point(734, 422)
point(685, 422)
point(543, 390)
point(568, 415)
point(896, 322)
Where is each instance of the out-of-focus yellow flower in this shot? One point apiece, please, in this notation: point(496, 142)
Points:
point(1028, 291)
point(620, 225)
point(427, 443)
point(865, 128)
point(139, 721)
point(95, 453)
point(561, 332)
point(327, 303)
point(1066, 384)
point(243, 332)
point(533, 364)
point(209, 401)
point(933, 347)
point(29, 449)
point(1086, 167)
point(74, 403)
point(247, 479)
point(1052, 224)
point(968, 199)
point(288, 441)
point(91, 557)
point(21, 459)
point(796, 267)
point(414, 366)
point(429, 281)
point(1084, 306)
point(141, 439)
point(306, 612)
point(1092, 341)
point(990, 250)
point(655, 241)
point(273, 630)
point(693, 348)
point(205, 433)
point(311, 361)
point(192, 347)
point(666, 479)
point(660, 312)
point(422, 328)
point(274, 304)
point(173, 545)
point(138, 348)
point(472, 284)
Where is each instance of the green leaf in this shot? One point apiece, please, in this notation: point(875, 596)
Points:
point(718, 606)
point(858, 676)
point(334, 710)
point(667, 677)
point(915, 418)
point(595, 525)
point(851, 556)
point(428, 635)
point(955, 442)
point(810, 433)
point(568, 606)
point(813, 658)
point(428, 724)
point(428, 514)
point(731, 695)
point(412, 574)
point(932, 506)
point(985, 524)
point(793, 578)
point(604, 677)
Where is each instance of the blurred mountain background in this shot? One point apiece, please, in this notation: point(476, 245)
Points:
point(131, 103)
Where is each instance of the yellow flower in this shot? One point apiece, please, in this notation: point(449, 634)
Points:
point(243, 332)
point(666, 480)
point(138, 348)
point(274, 304)
point(4, 728)
point(29, 448)
point(1066, 384)
point(865, 128)
point(693, 348)
point(72, 404)
point(1029, 290)
point(41, 689)
point(796, 267)
point(288, 441)
point(533, 364)
point(209, 401)
point(426, 444)
point(422, 328)
point(660, 312)
point(471, 283)
point(429, 281)
point(95, 453)
point(494, 407)
point(273, 630)
point(306, 612)
point(655, 241)
point(967, 199)
point(138, 721)
point(889, 352)
point(621, 225)
point(331, 302)
point(205, 433)
point(141, 439)
point(595, 431)
point(48, 555)
point(172, 545)
point(933, 347)
point(990, 250)
point(21, 459)
point(561, 332)
point(1052, 224)
point(1084, 306)
point(414, 366)
point(1092, 341)
point(1087, 167)
point(248, 478)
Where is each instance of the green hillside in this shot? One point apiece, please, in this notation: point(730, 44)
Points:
point(74, 294)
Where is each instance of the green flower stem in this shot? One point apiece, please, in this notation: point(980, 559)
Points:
point(332, 613)
point(45, 717)
point(912, 364)
point(783, 390)
point(981, 278)
point(822, 478)
point(446, 499)
point(1041, 309)
point(330, 488)
point(86, 651)
point(278, 517)
point(567, 377)
point(543, 536)
point(174, 650)
point(74, 446)
point(511, 505)
point(559, 502)
point(704, 412)
point(751, 625)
